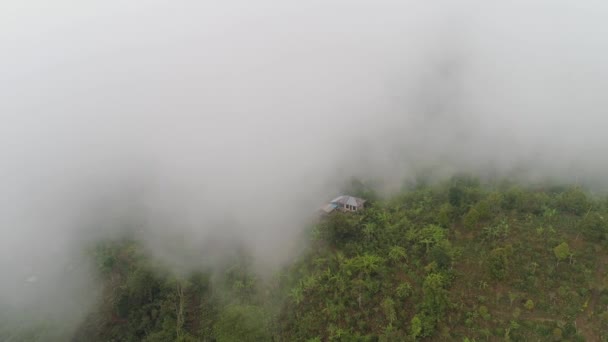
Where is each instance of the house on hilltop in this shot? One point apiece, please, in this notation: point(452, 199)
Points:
point(344, 203)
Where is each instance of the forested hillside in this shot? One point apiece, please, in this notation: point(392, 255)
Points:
point(456, 261)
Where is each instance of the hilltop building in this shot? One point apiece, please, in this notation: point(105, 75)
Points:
point(344, 203)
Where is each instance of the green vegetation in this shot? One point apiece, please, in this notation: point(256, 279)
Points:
point(455, 261)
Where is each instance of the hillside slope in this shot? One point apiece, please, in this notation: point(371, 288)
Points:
point(454, 261)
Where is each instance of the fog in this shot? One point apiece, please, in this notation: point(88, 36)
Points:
point(208, 121)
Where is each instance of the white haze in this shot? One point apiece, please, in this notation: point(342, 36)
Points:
point(207, 120)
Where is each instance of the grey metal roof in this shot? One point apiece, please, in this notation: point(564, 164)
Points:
point(349, 200)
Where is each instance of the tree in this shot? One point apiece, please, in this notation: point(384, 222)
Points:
point(561, 251)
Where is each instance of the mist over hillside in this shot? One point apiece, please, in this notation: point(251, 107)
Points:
point(207, 122)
